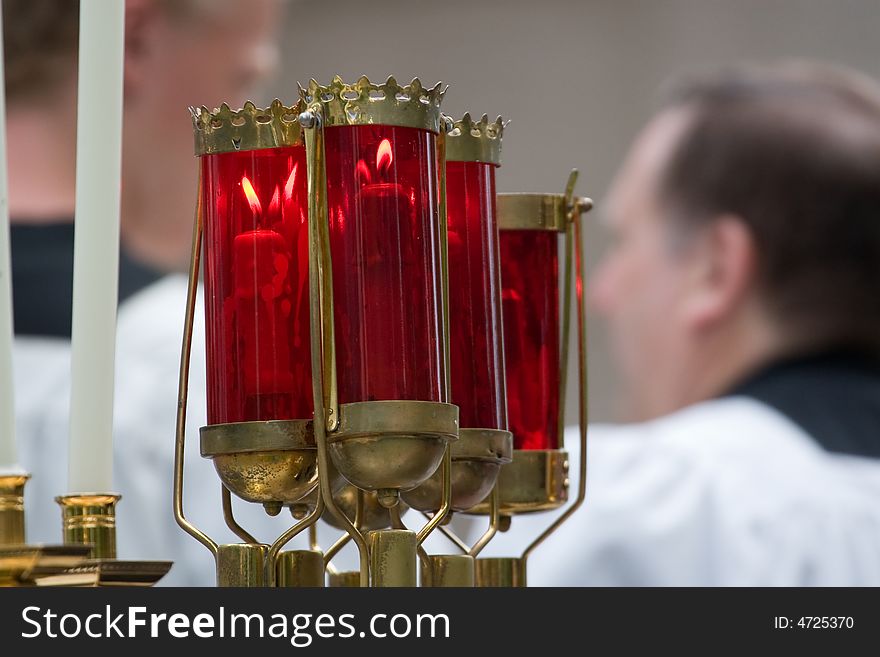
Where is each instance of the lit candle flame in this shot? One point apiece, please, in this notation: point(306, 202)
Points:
point(363, 172)
point(288, 186)
point(384, 156)
point(251, 196)
point(275, 203)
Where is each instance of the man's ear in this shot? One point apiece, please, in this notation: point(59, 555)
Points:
point(724, 271)
point(140, 21)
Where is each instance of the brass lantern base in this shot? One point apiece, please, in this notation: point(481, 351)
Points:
point(507, 572)
point(448, 570)
point(391, 445)
point(536, 480)
point(270, 463)
point(477, 457)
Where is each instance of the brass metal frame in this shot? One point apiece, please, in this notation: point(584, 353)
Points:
point(578, 206)
point(224, 130)
point(90, 519)
point(12, 525)
point(475, 141)
point(183, 383)
point(367, 103)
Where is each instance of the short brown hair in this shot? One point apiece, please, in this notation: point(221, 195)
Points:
point(794, 151)
point(40, 40)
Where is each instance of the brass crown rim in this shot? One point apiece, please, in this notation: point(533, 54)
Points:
point(475, 141)
point(249, 128)
point(365, 102)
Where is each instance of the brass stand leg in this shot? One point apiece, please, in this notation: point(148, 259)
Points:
point(448, 570)
point(241, 564)
point(90, 519)
point(12, 509)
point(393, 557)
point(300, 568)
point(500, 571)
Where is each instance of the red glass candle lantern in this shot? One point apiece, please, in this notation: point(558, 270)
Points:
point(253, 213)
point(477, 367)
point(379, 249)
point(473, 153)
point(535, 344)
point(533, 229)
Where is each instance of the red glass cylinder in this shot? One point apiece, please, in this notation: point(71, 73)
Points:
point(530, 300)
point(477, 367)
point(257, 285)
point(384, 242)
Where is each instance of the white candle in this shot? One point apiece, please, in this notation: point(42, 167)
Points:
point(8, 456)
point(96, 243)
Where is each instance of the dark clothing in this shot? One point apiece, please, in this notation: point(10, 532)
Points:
point(42, 278)
point(834, 396)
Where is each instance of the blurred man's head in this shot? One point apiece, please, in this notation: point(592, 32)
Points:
point(177, 53)
point(747, 225)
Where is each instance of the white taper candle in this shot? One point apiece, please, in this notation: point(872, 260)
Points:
point(96, 243)
point(8, 453)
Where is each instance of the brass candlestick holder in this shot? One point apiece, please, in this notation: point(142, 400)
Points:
point(12, 508)
point(90, 519)
point(88, 555)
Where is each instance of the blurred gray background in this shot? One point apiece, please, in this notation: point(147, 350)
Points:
point(577, 79)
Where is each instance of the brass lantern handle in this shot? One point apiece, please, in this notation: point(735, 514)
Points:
point(323, 343)
point(446, 465)
point(183, 382)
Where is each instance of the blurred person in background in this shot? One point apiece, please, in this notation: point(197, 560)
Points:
point(743, 297)
point(177, 53)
